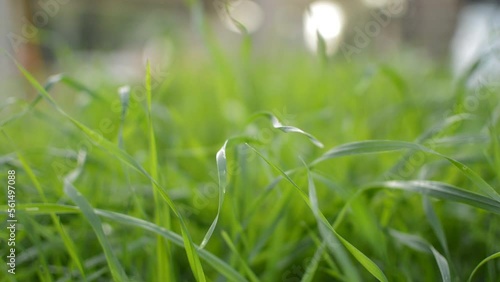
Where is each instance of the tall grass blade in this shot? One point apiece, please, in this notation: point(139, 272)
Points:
point(115, 267)
point(435, 224)
point(71, 247)
point(324, 226)
point(165, 263)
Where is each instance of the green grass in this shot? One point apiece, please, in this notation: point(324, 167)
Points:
point(256, 168)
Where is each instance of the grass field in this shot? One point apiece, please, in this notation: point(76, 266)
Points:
point(332, 171)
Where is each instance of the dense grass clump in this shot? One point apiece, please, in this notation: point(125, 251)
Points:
point(313, 171)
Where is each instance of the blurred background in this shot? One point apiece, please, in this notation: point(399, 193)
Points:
point(49, 36)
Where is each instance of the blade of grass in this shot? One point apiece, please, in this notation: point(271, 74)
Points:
point(51, 81)
point(275, 216)
point(379, 146)
point(312, 267)
point(360, 257)
point(66, 80)
point(221, 161)
point(232, 247)
point(426, 188)
point(165, 263)
point(220, 158)
point(115, 267)
point(430, 133)
point(435, 224)
point(70, 246)
point(441, 191)
point(124, 93)
point(484, 261)
point(421, 245)
point(286, 128)
point(246, 46)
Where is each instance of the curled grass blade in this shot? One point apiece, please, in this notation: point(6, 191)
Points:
point(246, 46)
point(220, 158)
point(286, 128)
point(221, 161)
point(484, 261)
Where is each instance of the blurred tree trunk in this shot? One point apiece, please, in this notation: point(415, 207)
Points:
point(431, 24)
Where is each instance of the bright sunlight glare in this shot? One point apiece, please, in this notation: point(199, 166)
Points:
point(325, 18)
